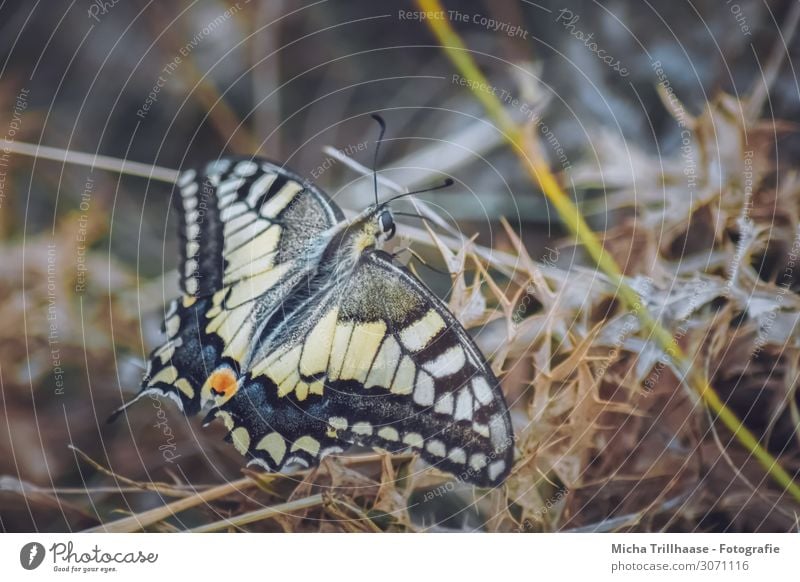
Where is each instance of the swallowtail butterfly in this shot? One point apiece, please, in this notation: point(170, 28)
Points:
point(302, 336)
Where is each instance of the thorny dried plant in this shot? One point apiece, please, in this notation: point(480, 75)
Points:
point(608, 437)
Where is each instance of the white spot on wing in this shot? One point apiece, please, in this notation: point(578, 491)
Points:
point(246, 168)
point(424, 391)
point(274, 445)
point(448, 363)
point(477, 461)
point(436, 447)
point(363, 428)
point(259, 188)
point(186, 177)
point(189, 191)
point(414, 439)
point(218, 166)
point(190, 203)
point(463, 405)
point(338, 422)
point(420, 333)
point(172, 325)
point(190, 267)
point(482, 390)
point(230, 186)
point(496, 468)
point(445, 404)
point(389, 433)
point(497, 432)
point(457, 455)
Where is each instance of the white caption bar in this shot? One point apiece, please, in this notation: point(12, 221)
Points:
point(400, 557)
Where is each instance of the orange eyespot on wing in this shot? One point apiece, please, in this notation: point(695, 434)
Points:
point(223, 383)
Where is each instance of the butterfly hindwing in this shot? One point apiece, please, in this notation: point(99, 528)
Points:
point(383, 363)
point(179, 367)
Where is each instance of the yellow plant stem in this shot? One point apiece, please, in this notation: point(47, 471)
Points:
point(536, 166)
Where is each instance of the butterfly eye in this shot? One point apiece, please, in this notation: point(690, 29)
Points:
point(387, 225)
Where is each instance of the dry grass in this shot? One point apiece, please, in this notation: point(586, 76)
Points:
point(610, 438)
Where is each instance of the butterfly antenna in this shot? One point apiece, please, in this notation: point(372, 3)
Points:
point(411, 214)
point(446, 184)
point(382, 123)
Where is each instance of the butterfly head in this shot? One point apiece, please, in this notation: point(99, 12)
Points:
point(373, 228)
point(386, 226)
point(382, 214)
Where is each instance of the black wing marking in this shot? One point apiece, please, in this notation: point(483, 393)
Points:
point(179, 367)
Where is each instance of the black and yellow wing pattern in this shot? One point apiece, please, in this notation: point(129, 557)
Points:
point(304, 338)
point(243, 224)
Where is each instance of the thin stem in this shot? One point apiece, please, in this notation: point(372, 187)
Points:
point(95, 161)
point(260, 514)
point(142, 520)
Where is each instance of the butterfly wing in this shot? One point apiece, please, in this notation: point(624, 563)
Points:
point(381, 362)
point(241, 218)
point(243, 224)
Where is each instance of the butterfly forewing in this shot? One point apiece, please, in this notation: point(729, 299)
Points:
point(240, 218)
point(243, 223)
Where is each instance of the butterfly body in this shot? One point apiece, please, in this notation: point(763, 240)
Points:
point(302, 336)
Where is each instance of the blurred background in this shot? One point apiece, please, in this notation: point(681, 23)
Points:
point(672, 125)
